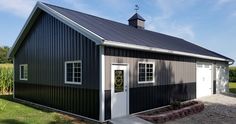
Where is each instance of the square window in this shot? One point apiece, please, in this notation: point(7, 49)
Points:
point(73, 72)
point(145, 74)
point(23, 72)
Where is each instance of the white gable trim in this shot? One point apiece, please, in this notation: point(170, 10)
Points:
point(96, 38)
point(35, 12)
point(145, 48)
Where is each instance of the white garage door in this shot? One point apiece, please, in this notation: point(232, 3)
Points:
point(204, 79)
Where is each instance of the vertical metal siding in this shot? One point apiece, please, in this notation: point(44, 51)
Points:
point(175, 79)
point(169, 69)
point(45, 49)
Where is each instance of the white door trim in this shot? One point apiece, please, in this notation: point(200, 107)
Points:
point(127, 93)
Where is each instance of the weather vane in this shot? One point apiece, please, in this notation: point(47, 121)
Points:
point(136, 8)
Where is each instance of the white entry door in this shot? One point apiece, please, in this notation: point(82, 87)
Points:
point(204, 79)
point(119, 91)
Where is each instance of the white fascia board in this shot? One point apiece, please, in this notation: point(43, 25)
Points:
point(145, 48)
point(91, 35)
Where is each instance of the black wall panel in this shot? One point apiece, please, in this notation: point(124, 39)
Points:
point(144, 98)
point(76, 100)
point(107, 104)
point(45, 49)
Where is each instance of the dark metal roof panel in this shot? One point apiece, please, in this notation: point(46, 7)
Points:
point(115, 31)
point(137, 16)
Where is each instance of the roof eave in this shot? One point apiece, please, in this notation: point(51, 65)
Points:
point(153, 49)
point(34, 14)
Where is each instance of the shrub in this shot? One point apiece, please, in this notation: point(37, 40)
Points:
point(6, 78)
point(176, 104)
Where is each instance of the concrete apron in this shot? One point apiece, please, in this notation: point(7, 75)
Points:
point(130, 119)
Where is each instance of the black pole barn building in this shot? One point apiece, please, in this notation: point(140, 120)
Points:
point(100, 69)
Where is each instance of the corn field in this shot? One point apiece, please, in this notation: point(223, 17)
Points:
point(6, 78)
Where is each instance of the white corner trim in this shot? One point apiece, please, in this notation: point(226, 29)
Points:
point(13, 77)
point(145, 48)
point(102, 84)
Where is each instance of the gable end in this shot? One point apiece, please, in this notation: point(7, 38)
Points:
point(33, 17)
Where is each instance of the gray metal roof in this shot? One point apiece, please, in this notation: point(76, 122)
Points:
point(104, 31)
point(115, 31)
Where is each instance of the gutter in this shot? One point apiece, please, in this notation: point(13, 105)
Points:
point(232, 62)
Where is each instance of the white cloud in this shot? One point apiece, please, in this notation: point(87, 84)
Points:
point(223, 2)
point(234, 14)
point(81, 6)
point(169, 7)
point(21, 8)
point(167, 26)
point(164, 23)
point(114, 6)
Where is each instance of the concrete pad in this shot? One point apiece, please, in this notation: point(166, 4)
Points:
point(130, 119)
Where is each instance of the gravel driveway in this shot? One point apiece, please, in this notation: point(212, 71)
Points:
point(219, 109)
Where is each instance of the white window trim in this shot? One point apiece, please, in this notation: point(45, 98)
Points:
point(23, 65)
point(72, 82)
point(146, 82)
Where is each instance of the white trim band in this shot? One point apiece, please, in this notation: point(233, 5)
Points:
point(145, 48)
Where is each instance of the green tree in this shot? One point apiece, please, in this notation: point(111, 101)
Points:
point(3, 55)
point(232, 74)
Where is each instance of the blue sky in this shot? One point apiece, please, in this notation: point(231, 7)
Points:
point(208, 23)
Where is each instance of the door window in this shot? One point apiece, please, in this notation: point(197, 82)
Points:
point(119, 81)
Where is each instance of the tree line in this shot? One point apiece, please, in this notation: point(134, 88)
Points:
point(3, 55)
point(232, 74)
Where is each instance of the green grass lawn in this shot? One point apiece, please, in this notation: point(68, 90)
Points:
point(232, 87)
point(12, 112)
